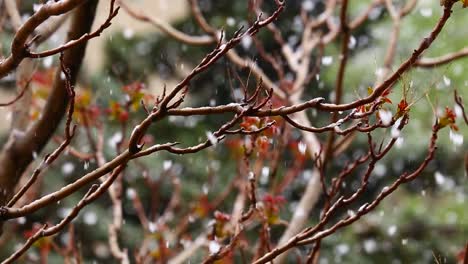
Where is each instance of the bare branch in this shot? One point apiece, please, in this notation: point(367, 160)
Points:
point(167, 28)
point(442, 60)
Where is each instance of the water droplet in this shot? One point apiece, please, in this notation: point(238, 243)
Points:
point(246, 41)
point(230, 21)
point(152, 227)
point(264, 176)
point(131, 193)
point(352, 42)
point(214, 247)
point(447, 81)
point(391, 231)
point(308, 5)
point(342, 249)
point(386, 117)
point(205, 189)
point(128, 33)
point(251, 176)
point(47, 62)
point(327, 60)
point(68, 168)
point(36, 7)
point(90, 218)
point(302, 147)
point(395, 131)
point(370, 246)
point(212, 138)
point(426, 12)
point(167, 164)
point(457, 139)
point(439, 178)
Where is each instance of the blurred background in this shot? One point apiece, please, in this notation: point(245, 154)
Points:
point(425, 221)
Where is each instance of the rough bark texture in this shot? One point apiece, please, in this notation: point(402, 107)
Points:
point(19, 151)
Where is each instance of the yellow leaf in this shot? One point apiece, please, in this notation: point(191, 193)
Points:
point(83, 98)
point(465, 3)
point(41, 93)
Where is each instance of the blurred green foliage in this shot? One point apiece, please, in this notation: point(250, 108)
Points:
point(422, 221)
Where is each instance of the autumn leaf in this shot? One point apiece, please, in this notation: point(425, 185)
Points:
point(202, 207)
point(465, 3)
point(136, 93)
point(43, 243)
point(448, 119)
point(262, 144)
point(235, 145)
point(117, 112)
point(34, 115)
point(272, 207)
point(44, 78)
point(402, 108)
point(250, 123)
point(83, 99)
point(385, 95)
point(220, 225)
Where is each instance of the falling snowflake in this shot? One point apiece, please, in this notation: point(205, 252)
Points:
point(327, 60)
point(214, 247)
point(308, 5)
point(68, 168)
point(212, 138)
point(386, 117)
point(391, 231)
point(426, 12)
point(90, 218)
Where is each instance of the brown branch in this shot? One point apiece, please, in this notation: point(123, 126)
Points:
point(9, 213)
point(12, 10)
point(405, 66)
point(206, 62)
point(18, 152)
point(19, 46)
point(442, 60)
point(167, 28)
point(18, 96)
point(393, 41)
point(200, 19)
point(346, 34)
point(84, 38)
point(308, 236)
point(238, 108)
point(69, 133)
point(366, 208)
point(93, 193)
point(359, 20)
point(459, 102)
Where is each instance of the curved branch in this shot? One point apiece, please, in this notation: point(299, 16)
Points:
point(19, 47)
point(442, 60)
point(405, 66)
point(93, 193)
point(85, 37)
point(20, 150)
point(309, 235)
point(167, 28)
point(9, 213)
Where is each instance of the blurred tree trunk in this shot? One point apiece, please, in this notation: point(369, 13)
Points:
point(21, 148)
